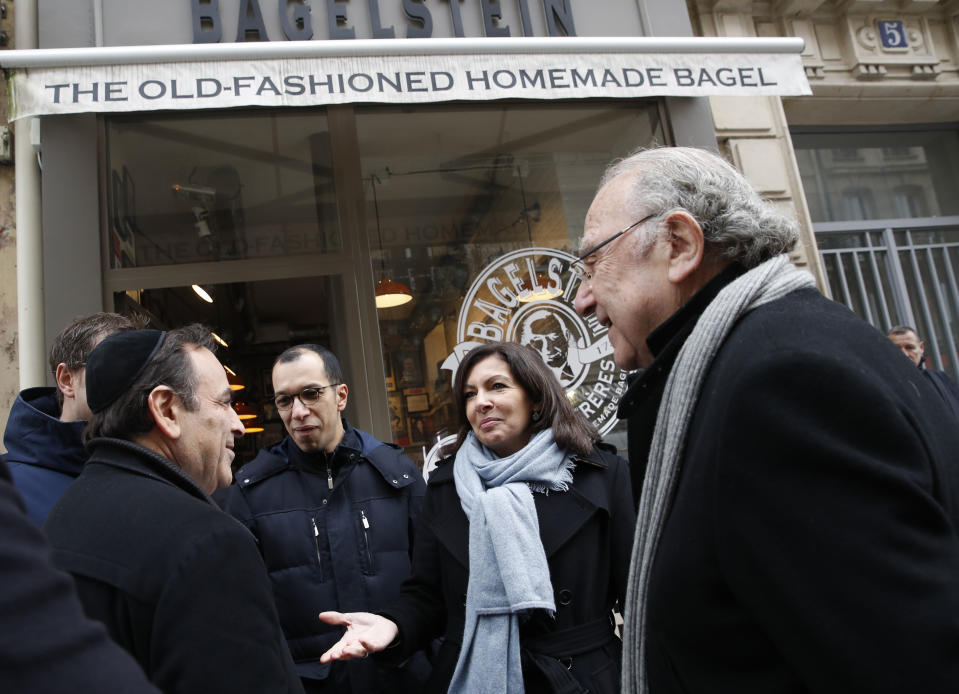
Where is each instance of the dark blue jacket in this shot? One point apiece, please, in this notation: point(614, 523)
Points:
point(347, 548)
point(44, 454)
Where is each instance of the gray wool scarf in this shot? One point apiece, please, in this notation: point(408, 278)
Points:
point(767, 282)
point(508, 573)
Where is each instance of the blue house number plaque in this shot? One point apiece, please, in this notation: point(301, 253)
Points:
point(892, 34)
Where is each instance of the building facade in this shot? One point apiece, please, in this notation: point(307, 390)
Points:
point(276, 225)
point(872, 156)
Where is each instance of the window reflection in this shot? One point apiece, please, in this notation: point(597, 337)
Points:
point(457, 192)
point(879, 175)
point(186, 189)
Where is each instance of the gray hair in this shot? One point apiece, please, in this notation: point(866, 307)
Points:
point(737, 224)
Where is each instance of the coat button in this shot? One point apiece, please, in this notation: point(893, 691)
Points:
point(395, 482)
point(405, 476)
point(324, 502)
point(246, 481)
point(565, 597)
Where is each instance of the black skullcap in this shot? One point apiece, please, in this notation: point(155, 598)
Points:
point(115, 364)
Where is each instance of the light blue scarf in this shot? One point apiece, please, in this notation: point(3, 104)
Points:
point(508, 570)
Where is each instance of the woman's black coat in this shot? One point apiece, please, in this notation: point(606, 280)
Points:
point(587, 533)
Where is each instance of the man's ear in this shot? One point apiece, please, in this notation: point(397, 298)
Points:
point(166, 409)
point(686, 245)
point(342, 393)
point(67, 380)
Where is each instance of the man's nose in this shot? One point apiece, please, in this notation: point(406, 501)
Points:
point(236, 426)
point(299, 410)
point(584, 302)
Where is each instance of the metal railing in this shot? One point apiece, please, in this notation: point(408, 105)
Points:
point(899, 271)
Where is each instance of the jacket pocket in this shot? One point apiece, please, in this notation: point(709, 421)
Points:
point(366, 546)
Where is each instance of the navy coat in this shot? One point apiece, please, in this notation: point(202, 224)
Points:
point(587, 533)
point(177, 582)
point(813, 541)
point(346, 549)
point(44, 454)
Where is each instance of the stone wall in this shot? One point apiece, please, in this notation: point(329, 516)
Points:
point(9, 362)
point(869, 62)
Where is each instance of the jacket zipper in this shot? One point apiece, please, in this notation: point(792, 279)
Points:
point(366, 538)
point(316, 545)
point(329, 476)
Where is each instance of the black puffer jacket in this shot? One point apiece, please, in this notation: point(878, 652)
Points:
point(347, 548)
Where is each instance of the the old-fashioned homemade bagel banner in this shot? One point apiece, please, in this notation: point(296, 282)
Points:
point(312, 73)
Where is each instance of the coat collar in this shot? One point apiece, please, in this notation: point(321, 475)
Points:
point(560, 514)
point(36, 436)
point(385, 458)
point(137, 459)
point(666, 341)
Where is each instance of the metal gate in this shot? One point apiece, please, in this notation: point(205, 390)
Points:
point(899, 271)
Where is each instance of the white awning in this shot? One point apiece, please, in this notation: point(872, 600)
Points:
point(397, 71)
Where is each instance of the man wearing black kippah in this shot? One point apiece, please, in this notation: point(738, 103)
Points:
point(178, 583)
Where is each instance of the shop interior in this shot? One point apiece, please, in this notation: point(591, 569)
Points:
point(236, 221)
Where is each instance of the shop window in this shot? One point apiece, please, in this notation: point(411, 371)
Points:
point(188, 189)
point(910, 201)
point(897, 173)
point(858, 203)
point(454, 212)
point(468, 215)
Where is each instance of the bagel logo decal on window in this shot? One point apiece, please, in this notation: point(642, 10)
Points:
point(527, 297)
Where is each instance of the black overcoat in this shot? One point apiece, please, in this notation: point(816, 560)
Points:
point(813, 541)
point(587, 533)
point(46, 642)
point(177, 582)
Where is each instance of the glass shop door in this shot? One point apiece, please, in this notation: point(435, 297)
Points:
point(249, 222)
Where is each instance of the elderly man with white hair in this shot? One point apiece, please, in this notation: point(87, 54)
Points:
point(798, 526)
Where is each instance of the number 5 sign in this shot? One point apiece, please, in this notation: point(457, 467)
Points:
point(892, 34)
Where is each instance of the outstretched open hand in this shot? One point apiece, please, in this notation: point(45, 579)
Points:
point(365, 633)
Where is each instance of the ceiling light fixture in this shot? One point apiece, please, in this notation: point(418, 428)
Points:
point(219, 340)
point(388, 292)
point(244, 411)
point(539, 292)
point(202, 293)
point(233, 379)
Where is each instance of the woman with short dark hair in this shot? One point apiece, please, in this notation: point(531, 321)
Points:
point(524, 546)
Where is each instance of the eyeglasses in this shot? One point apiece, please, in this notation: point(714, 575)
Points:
point(307, 396)
point(578, 266)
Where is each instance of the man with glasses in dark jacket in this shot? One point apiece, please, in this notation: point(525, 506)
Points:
point(333, 510)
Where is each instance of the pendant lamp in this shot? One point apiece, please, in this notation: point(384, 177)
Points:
point(388, 292)
point(537, 289)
